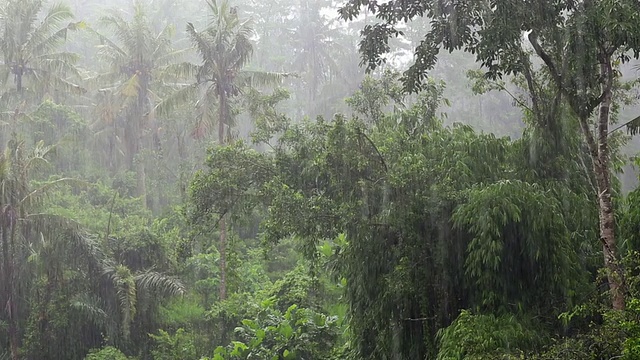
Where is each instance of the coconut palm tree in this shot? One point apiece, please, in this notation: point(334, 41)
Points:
point(32, 65)
point(318, 48)
point(30, 37)
point(225, 48)
point(137, 60)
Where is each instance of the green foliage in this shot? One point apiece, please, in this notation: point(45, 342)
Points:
point(375, 96)
point(264, 112)
point(100, 210)
point(296, 287)
point(170, 347)
point(497, 44)
point(594, 330)
point(631, 329)
point(414, 200)
point(630, 220)
point(107, 353)
point(181, 312)
point(473, 336)
point(235, 172)
point(518, 230)
point(296, 333)
point(355, 237)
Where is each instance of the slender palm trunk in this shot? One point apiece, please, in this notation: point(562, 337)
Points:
point(19, 81)
point(136, 143)
point(222, 118)
point(8, 231)
point(183, 160)
point(141, 185)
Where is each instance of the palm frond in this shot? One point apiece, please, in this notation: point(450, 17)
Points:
point(91, 307)
point(41, 190)
point(57, 64)
point(633, 126)
point(176, 99)
point(125, 286)
point(131, 87)
point(184, 70)
point(5, 73)
point(107, 42)
point(163, 57)
point(50, 42)
point(200, 42)
point(253, 78)
point(159, 283)
point(103, 80)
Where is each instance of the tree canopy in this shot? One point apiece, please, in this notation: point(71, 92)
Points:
point(221, 180)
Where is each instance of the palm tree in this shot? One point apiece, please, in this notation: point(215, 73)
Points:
point(317, 49)
point(30, 42)
point(21, 225)
point(225, 48)
point(32, 66)
point(40, 251)
point(129, 290)
point(137, 60)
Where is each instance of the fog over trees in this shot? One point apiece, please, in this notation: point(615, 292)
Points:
point(319, 179)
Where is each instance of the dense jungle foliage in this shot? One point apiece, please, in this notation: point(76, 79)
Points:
point(217, 179)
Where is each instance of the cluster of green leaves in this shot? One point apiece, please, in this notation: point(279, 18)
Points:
point(473, 336)
point(298, 333)
point(107, 353)
point(515, 217)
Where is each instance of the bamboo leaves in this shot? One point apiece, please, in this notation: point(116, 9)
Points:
point(515, 226)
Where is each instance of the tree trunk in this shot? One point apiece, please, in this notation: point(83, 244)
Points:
point(600, 158)
point(8, 223)
point(223, 258)
point(141, 182)
point(222, 118)
point(19, 81)
point(603, 177)
point(135, 144)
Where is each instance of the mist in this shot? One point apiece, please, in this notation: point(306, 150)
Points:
point(319, 179)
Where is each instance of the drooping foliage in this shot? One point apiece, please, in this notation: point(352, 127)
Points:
point(578, 43)
point(388, 227)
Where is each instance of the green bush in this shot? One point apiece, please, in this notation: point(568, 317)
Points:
point(107, 353)
point(171, 347)
point(473, 336)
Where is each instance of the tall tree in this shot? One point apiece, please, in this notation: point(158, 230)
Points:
point(30, 38)
point(20, 225)
point(138, 57)
point(225, 48)
point(317, 51)
point(32, 63)
point(578, 43)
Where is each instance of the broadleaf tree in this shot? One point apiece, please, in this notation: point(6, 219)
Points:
point(579, 44)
